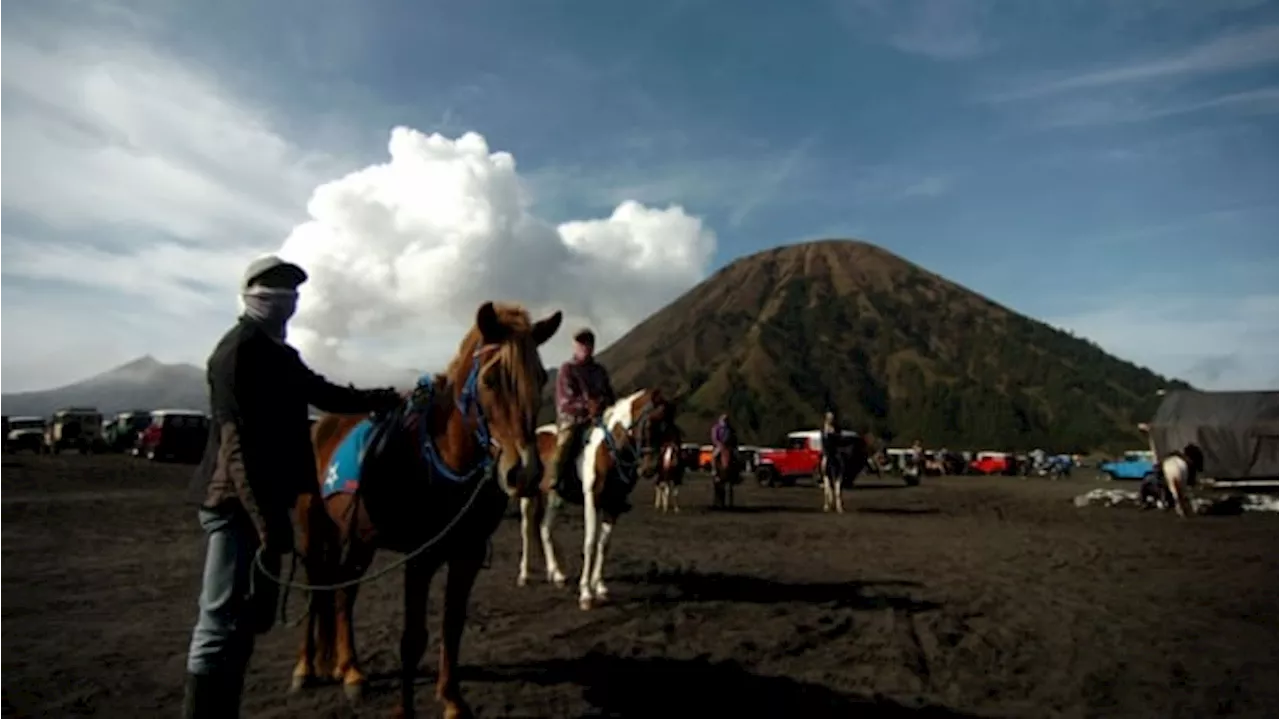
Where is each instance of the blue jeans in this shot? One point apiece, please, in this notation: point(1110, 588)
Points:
point(224, 633)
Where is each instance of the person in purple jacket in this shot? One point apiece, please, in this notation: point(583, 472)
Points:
point(722, 435)
point(583, 391)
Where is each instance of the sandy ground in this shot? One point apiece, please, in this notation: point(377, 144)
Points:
point(962, 597)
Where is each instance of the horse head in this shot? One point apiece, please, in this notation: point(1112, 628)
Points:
point(498, 375)
point(652, 427)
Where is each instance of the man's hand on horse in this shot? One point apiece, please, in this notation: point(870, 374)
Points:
point(594, 408)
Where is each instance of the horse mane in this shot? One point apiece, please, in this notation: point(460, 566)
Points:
point(524, 367)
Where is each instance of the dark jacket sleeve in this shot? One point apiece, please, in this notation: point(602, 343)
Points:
point(329, 397)
point(606, 386)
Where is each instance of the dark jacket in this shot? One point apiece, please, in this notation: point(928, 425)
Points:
point(579, 382)
point(259, 455)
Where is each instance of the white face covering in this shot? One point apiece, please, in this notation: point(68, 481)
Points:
point(271, 307)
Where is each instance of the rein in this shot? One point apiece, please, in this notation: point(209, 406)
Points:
point(485, 469)
point(638, 449)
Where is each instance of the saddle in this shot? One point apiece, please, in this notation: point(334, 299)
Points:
point(617, 486)
point(364, 446)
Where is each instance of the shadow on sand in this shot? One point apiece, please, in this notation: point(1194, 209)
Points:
point(758, 509)
point(691, 586)
point(899, 511)
point(665, 687)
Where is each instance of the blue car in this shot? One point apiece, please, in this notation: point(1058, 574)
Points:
point(1134, 465)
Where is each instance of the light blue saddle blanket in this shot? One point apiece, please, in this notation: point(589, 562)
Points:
point(343, 472)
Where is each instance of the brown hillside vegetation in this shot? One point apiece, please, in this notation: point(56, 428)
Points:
point(776, 336)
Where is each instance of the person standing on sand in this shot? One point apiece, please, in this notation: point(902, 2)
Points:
point(257, 461)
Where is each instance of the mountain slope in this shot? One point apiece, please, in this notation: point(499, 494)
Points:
point(776, 337)
point(144, 383)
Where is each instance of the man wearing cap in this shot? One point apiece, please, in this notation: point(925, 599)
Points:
point(257, 461)
point(583, 391)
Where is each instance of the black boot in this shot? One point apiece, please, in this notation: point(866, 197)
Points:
point(212, 696)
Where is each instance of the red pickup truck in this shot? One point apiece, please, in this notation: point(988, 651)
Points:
point(800, 458)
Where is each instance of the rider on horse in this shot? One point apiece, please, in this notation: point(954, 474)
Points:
point(257, 461)
point(583, 391)
point(723, 437)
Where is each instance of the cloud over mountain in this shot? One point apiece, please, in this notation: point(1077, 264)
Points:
point(402, 252)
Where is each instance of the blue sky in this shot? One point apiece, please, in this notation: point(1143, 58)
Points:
point(1106, 166)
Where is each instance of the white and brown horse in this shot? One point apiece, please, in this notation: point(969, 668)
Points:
point(669, 477)
point(621, 448)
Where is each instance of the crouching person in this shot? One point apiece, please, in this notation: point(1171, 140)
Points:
point(257, 461)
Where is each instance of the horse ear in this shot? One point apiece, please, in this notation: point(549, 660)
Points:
point(546, 328)
point(490, 327)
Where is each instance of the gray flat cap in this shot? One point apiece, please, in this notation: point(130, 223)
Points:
point(273, 264)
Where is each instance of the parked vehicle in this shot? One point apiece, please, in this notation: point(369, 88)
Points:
point(78, 428)
point(992, 463)
point(1134, 465)
point(1054, 467)
point(174, 434)
point(800, 458)
point(24, 433)
point(121, 433)
point(689, 453)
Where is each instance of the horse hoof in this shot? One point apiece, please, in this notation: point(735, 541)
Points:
point(585, 604)
point(298, 683)
point(522, 581)
point(353, 692)
point(456, 711)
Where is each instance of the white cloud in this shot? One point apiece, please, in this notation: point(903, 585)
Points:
point(403, 252)
point(1227, 52)
point(113, 133)
point(945, 30)
point(1210, 341)
point(1127, 108)
point(138, 181)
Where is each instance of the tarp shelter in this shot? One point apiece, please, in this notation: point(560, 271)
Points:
point(1237, 431)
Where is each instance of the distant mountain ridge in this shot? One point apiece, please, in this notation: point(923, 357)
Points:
point(143, 383)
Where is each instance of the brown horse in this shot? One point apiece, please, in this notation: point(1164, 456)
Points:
point(669, 475)
point(726, 473)
point(433, 483)
point(620, 449)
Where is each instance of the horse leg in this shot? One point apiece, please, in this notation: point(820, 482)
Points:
point(457, 593)
point(344, 601)
point(527, 537)
point(413, 638)
point(1179, 492)
point(826, 493)
point(673, 495)
point(304, 670)
point(548, 511)
point(838, 492)
point(590, 539)
point(598, 588)
point(657, 494)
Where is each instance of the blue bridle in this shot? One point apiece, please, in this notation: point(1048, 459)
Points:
point(468, 400)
